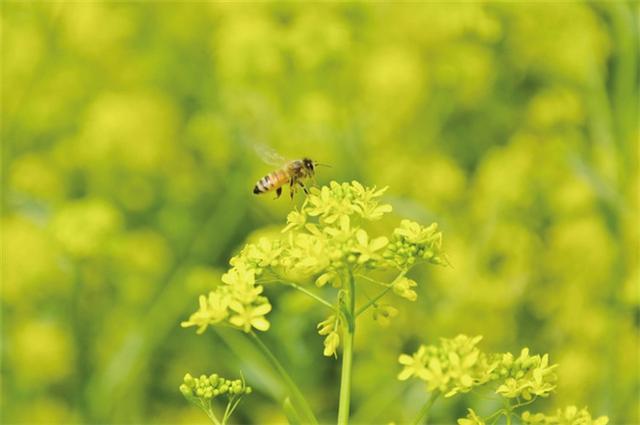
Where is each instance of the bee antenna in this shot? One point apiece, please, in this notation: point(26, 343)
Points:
point(322, 165)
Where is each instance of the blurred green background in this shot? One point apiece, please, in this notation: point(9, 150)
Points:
point(128, 162)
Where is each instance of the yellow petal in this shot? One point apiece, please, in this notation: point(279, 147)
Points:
point(261, 310)
point(405, 374)
point(260, 323)
point(405, 359)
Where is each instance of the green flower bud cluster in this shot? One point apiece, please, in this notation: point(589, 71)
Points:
point(203, 390)
point(454, 366)
point(237, 302)
point(526, 376)
point(413, 243)
point(570, 415)
point(212, 386)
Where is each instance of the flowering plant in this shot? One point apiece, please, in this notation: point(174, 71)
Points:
point(329, 241)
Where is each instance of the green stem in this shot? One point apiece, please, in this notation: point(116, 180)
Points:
point(311, 294)
point(524, 403)
point(381, 294)
point(372, 302)
point(423, 414)
point(347, 352)
point(231, 406)
point(494, 414)
point(297, 399)
point(497, 416)
point(345, 379)
point(377, 282)
point(507, 411)
point(207, 409)
point(225, 416)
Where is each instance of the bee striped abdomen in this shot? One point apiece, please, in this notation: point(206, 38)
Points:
point(271, 181)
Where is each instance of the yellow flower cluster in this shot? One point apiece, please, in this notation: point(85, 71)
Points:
point(237, 301)
point(454, 366)
point(570, 415)
point(326, 240)
point(457, 366)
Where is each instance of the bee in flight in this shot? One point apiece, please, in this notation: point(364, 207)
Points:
point(290, 172)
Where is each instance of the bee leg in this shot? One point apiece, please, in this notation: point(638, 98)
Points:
point(278, 192)
point(303, 187)
point(292, 188)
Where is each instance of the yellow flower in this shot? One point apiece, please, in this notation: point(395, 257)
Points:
point(403, 287)
point(368, 249)
point(472, 418)
point(413, 365)
point(213, 309)
point(249, 316)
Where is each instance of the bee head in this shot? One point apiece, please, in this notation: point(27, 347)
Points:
point(308, 164)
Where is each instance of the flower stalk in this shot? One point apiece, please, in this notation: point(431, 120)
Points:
point(423, 414)
point(347, 351)
point(384, 292)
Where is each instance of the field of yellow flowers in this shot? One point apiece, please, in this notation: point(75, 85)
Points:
point(129, 134)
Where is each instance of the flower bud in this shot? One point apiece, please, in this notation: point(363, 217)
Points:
point(185, 390)
point(188, 380)
point(331, 343)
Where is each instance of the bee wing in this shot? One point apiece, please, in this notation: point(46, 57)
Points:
point(269, 155)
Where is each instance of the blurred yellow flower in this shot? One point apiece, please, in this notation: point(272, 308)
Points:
point(85, 227)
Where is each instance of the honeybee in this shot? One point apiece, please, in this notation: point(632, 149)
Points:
point(290, 172)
